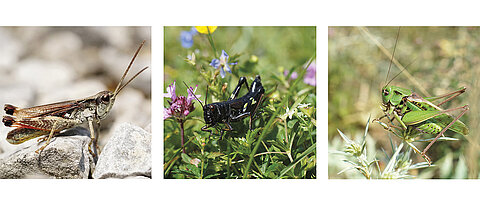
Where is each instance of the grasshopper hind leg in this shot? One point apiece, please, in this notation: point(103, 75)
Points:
point(465, 108)
point(52, 131)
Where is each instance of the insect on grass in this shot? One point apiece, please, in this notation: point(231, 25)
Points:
point(50, 119)
point(416, 115)
point(234, 109)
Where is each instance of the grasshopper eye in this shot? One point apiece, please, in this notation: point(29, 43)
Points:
point(385, 93)
point(211, 108)
point(105, 98)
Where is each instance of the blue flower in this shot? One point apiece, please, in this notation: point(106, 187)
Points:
point(222, 63)
point(186, 37)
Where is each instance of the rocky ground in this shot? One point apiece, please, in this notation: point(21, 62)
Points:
point(41, 65)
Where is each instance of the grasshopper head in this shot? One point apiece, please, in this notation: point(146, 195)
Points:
point(209, 113)
point(393, 95)
point(104, 101)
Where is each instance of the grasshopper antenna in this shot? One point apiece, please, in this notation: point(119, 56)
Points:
point(190, 88)
point(206, 94)
point(393, 55)
point(120, 86)
point(405, 68)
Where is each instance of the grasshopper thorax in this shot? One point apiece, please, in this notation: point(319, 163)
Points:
point(104, 102)
point(393, 95)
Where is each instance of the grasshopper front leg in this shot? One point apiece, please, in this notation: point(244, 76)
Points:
point(93, 139)
point(405, 133)
point(205, 129)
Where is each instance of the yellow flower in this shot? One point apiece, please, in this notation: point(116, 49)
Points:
point(204, 30)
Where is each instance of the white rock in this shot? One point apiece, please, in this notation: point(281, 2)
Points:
point(127, 154)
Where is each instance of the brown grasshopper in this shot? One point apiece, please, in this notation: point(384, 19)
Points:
point(52, 118)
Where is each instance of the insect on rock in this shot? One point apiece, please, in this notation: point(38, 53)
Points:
point(49, 120)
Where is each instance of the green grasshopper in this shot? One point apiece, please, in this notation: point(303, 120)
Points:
point(417, 115)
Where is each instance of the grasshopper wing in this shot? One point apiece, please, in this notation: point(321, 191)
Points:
point(439, 116)
point(56, 109)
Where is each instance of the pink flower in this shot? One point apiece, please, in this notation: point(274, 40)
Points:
point(180, 106)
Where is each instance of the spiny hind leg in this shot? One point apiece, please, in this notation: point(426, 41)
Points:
point(235, 92)
point(450, 96)
point(464, 110)
point(416, 150)
point(252, 116)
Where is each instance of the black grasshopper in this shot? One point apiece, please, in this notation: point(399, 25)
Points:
point(234, 109)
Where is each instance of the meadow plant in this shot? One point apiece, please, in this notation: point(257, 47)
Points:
point(397, 166)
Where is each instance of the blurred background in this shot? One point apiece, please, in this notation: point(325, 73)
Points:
point(275, 48)
point(438, 59)
point(42, 65)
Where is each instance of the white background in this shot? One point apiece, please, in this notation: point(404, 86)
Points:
point(237, 13)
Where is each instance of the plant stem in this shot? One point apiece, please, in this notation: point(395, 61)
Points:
point(181, 135)
point(210, 39)
point(260, 139)
point(229, 160)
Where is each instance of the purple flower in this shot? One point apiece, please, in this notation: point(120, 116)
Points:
point(171, 92)
point(222, 63)
point(186, 37)
point(309, 77)
point(180, 106)
point(293, 76)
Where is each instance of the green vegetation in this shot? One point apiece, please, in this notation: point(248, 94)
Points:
point(282, 143)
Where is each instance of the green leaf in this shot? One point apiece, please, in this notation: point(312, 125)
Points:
point(303, 155)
